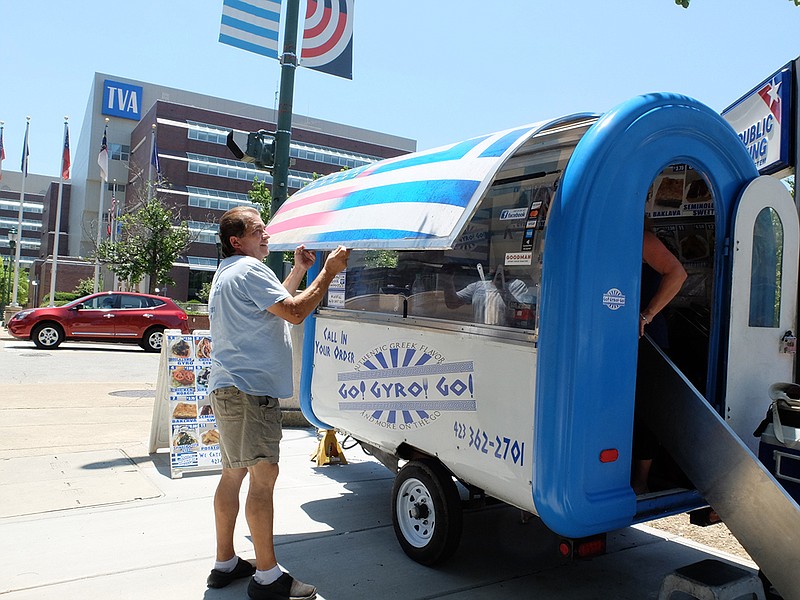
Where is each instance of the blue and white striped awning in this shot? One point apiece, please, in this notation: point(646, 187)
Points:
point(415, 201)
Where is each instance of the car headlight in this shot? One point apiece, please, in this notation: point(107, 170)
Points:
point(21, 315)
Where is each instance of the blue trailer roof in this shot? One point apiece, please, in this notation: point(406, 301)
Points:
point(416, 201)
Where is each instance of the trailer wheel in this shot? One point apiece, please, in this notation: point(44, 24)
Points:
point(426, 512)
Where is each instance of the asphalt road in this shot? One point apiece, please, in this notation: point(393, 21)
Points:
point(74, 362)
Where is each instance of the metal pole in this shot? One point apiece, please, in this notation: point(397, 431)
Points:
point(18, 254)
point(103, 186)
point(151, 191)
point(13, 246)
point(283, 135)
point(54, 268)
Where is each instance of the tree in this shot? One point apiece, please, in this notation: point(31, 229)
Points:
point(204, 292)
point(86, 286)
point(261, 195)
point(150, 240)
point(7, 285)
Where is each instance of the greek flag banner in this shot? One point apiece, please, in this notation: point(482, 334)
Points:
point(251, 25)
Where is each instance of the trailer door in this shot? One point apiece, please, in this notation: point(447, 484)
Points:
point(764, 248)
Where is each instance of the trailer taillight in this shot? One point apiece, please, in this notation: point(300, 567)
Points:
point(609, 455)
point(583, 547)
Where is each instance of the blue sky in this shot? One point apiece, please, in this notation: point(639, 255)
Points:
point(437, 71)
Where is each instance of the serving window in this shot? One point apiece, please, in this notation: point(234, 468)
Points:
point(491, 276)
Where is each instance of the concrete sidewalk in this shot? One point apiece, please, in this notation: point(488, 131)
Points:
point(86, 512)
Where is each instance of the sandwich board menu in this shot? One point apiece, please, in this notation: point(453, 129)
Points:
point(182, 415)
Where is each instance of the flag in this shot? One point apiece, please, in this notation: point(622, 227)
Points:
point(154, 161)
point(25, 152)
point(111, 210)
point(102, 158)
point(2, 153)
point(251, 25)
point(328, 37)
point(65, 162)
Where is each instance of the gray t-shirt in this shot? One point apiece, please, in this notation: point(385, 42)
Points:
point(251, 347)
point(487, 301)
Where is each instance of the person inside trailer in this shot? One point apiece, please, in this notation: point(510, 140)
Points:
point(663, 276)
point(492, 297)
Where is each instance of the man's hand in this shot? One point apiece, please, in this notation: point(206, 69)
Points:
point(337, 260)
point(304, 258)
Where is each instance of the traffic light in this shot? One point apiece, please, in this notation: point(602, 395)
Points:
point(257, 147)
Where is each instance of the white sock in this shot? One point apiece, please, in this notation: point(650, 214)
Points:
point(268, 576)
point(226, 566)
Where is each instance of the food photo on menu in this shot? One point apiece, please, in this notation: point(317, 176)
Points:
point(202, 377)
point(182, 377)
point(209, 437)
point(205, 409)
point(184, 410)
point(184, 437)
point(203, 348)
point(181, 348)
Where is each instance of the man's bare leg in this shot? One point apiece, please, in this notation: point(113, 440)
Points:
point(226, 508)
point(260, 512)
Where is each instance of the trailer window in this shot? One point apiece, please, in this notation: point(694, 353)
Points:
point(490, 277)
point(765, 280)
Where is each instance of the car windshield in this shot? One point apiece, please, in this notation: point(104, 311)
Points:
point(92, 301)
point(75, 302)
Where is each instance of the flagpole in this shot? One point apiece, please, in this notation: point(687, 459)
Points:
point(112, 214)
point(150, 184)
point(103, 186)
point(54, 268)
point(18, 253)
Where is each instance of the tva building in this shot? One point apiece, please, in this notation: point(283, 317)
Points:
point(201, 177)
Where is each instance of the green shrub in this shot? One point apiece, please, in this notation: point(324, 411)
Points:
point(61, 298)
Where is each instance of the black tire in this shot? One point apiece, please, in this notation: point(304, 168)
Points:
point(426, 512)
point(153, 339)
point(47, 336)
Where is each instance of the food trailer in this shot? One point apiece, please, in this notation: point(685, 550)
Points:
point(486, 330)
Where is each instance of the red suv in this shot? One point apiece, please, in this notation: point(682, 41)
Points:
point(107, 317)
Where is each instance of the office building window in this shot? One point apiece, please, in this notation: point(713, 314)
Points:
point(203, 233)
point(119, 151)
point(330, 156)
point(202, 263)
point(28, 207)
point(217, 199)
point(323, 154)
point(120, 187)
point(206, 133)
point(234, 169)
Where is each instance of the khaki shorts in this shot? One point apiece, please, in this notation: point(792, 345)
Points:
point(249, 427)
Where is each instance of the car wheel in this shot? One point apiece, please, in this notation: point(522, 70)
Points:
point(426, 512)
point(47, 335)
point(153, 339)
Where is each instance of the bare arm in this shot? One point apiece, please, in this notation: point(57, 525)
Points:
point(656, 254)
point(297, 308)
point(451, 298)
point(303, 259)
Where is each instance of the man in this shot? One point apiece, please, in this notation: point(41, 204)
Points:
point(251, 358)
point(489, 297)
